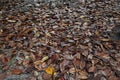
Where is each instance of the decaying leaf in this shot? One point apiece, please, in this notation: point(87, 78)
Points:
point(72, 36)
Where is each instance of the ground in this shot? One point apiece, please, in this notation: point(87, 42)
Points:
point(60, 40)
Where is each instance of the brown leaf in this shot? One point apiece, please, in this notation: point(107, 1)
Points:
point(85, 53)
point(40, 66)
point(23, 18)
point(28, 30)
point(102, 47)
point(72, 70)
point(32, 56)
point(47, 76)
point(113, 78)
point(103, 55)
point(63, 64)
point(54, 57)
point(91, 69)
point(3, 60)
point(5, 67)
point(82, 75)
point(15, 71)
point(25, 62)
point(82, 64)
point(76, 62)
point(37, 62)
point(2, 76)
point(83, 47)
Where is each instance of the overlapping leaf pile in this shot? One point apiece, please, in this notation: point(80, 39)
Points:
point(68, 42)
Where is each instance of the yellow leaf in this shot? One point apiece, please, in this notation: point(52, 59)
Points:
point(81, 16)
point(49, 70)
point(44, 58)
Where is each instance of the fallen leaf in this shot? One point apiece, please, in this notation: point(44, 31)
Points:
point(78, 55)
point(97, 33)
point(37, 62)
point(63, 64)
point(82, 64)
point(72, 70)
point(44, 58)
point(40, 66)
point(105, 40)
point(91, 69)
point(2, 76)
point(81, 16)
point(54, 57)
point(25, 62)
point(5, 67)
point(68, 57)
point(23, 18)
point(103, 55)
point(32, 56)
point(11, 21)
point(46, 76)
point(15, 71)
point(83, 47)
point(76, 62)
point(49, 70)
point(82, 75)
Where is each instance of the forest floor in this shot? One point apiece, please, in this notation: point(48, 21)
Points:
point(53, 41)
